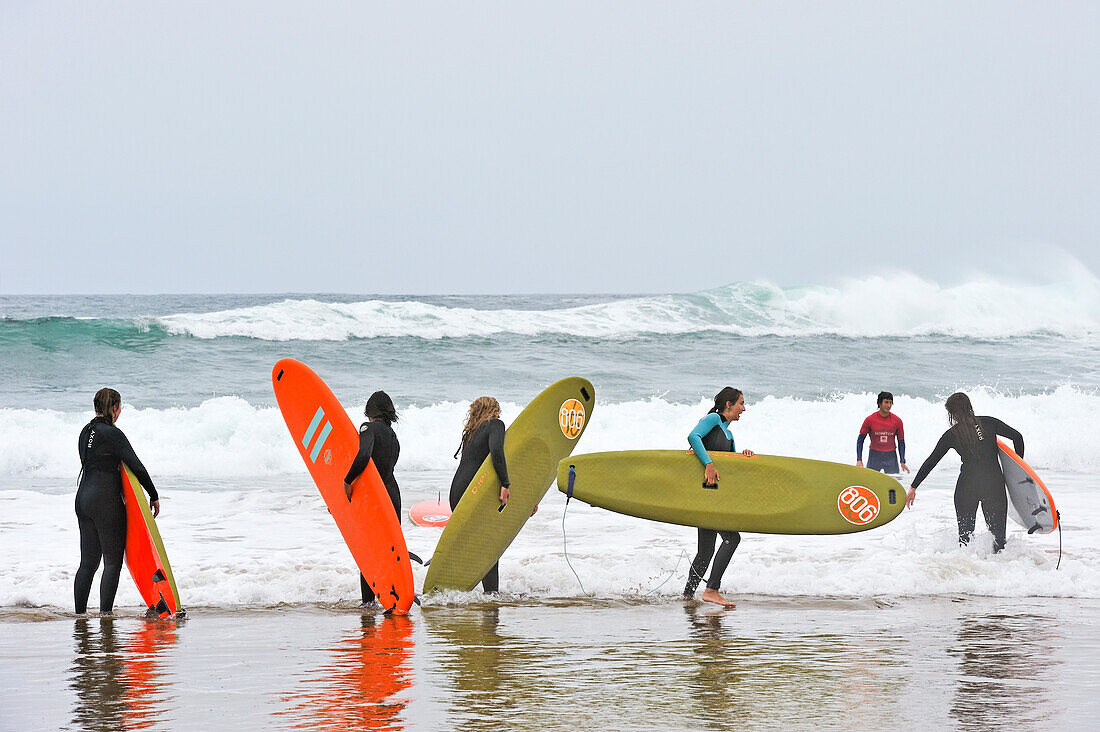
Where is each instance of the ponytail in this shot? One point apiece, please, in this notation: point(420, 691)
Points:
point(105, 401)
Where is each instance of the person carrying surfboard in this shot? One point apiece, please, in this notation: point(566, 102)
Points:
point(377, 441)
point(980, 477)
point(884, 429)
point(482, 436)
point(100, 512)
point(712, 433)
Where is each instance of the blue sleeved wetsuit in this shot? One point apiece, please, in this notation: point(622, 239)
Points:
point(705, 427)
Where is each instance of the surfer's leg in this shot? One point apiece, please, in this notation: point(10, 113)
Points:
point(491, 581)
point(111, 526)
point(699, 565)
point(730, 540)
point(365, 590)
point(90, 556)
point(995, 511)
point(966, 510)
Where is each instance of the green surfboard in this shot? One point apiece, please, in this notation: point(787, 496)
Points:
point(762, 494)
point(479, 530)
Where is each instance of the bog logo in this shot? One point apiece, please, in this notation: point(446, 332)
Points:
point(571, 418)
point(858, 505)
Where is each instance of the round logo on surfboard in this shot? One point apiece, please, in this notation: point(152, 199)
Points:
point(571, 418)
point(858, 505)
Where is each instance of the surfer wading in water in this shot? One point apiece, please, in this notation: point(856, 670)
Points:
point(100, 512)
point(980, 477)
point(482, 435)
point(713, 433)
point(377, 441)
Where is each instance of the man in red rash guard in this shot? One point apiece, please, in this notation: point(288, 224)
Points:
point(883, 428)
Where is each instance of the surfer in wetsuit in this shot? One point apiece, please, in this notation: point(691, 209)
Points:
point(482, 435)
point(100, 512)
point(883, 427)
point(712, 433)
point(378, 442)
point(980, 477)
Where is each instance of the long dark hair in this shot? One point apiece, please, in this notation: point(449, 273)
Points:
point(380, 406)
point(967, 428)
point(728, 394)
point(105, 401)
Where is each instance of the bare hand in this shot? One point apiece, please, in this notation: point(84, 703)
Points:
point(747, 453)
point(504, 495)
point(859, 463)
point(347, 490)
point(710, 475)
point(910, 497)
point(156, 508)
point(905, 467)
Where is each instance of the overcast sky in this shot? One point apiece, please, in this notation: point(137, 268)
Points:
point(527, 147)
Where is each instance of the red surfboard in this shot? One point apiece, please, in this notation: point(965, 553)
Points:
point(328, 442)
point(145, 555)
point(431, 513)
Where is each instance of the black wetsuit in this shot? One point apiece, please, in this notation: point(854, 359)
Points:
point(714, 440)
point(980, 478)
point(488, 439)
point(100, 512)
point(377, 441)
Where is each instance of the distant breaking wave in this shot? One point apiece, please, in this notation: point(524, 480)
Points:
point(900, 306)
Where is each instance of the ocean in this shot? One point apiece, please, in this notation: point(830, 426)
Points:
point(249, 537)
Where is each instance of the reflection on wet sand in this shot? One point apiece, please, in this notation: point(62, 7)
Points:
point(361, 686)
point(742, 675)
point(1004, 662)
point(114, 676)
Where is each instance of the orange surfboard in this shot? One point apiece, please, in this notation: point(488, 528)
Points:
point(145, 555)
point(1029, 502)
point(328, 442)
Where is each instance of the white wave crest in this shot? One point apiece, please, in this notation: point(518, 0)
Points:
point(227, 438)
point(899, 305)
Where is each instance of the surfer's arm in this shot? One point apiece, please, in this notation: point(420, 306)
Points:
point(695, 437)
point(121, 447)
point(859, 448)
point(359, 464)
point(496, 453)
point(946, 443)
point(1004, 430)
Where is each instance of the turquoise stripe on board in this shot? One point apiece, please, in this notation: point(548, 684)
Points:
point(320, 441)
point(313, 426)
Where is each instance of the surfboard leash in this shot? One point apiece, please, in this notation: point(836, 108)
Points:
point(1059, 515)
point(564, 544)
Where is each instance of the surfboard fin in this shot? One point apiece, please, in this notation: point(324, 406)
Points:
point(416, 600)
point(158, 576)
point(1034, 528)
point(415, 558)
point(1039, 510)
point(162, 607)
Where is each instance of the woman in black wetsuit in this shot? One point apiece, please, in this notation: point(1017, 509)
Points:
point(980, 478)
point(483, 435)
point(377, 441)
point(100, 513)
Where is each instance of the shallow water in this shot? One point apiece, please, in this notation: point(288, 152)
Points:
point(958, 662)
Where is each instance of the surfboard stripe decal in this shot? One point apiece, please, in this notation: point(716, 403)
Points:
point(313, 426)
point(320, 442)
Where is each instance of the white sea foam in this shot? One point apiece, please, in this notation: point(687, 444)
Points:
point(227, 438)
point(900, 305)
point(262, 545)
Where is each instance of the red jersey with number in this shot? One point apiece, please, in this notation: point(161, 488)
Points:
point(882, 431)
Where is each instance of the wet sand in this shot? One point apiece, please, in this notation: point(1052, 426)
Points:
point(944, 662)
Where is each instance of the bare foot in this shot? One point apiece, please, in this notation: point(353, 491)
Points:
point(710, 595)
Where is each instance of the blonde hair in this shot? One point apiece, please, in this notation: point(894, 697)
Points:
point(481, 411)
